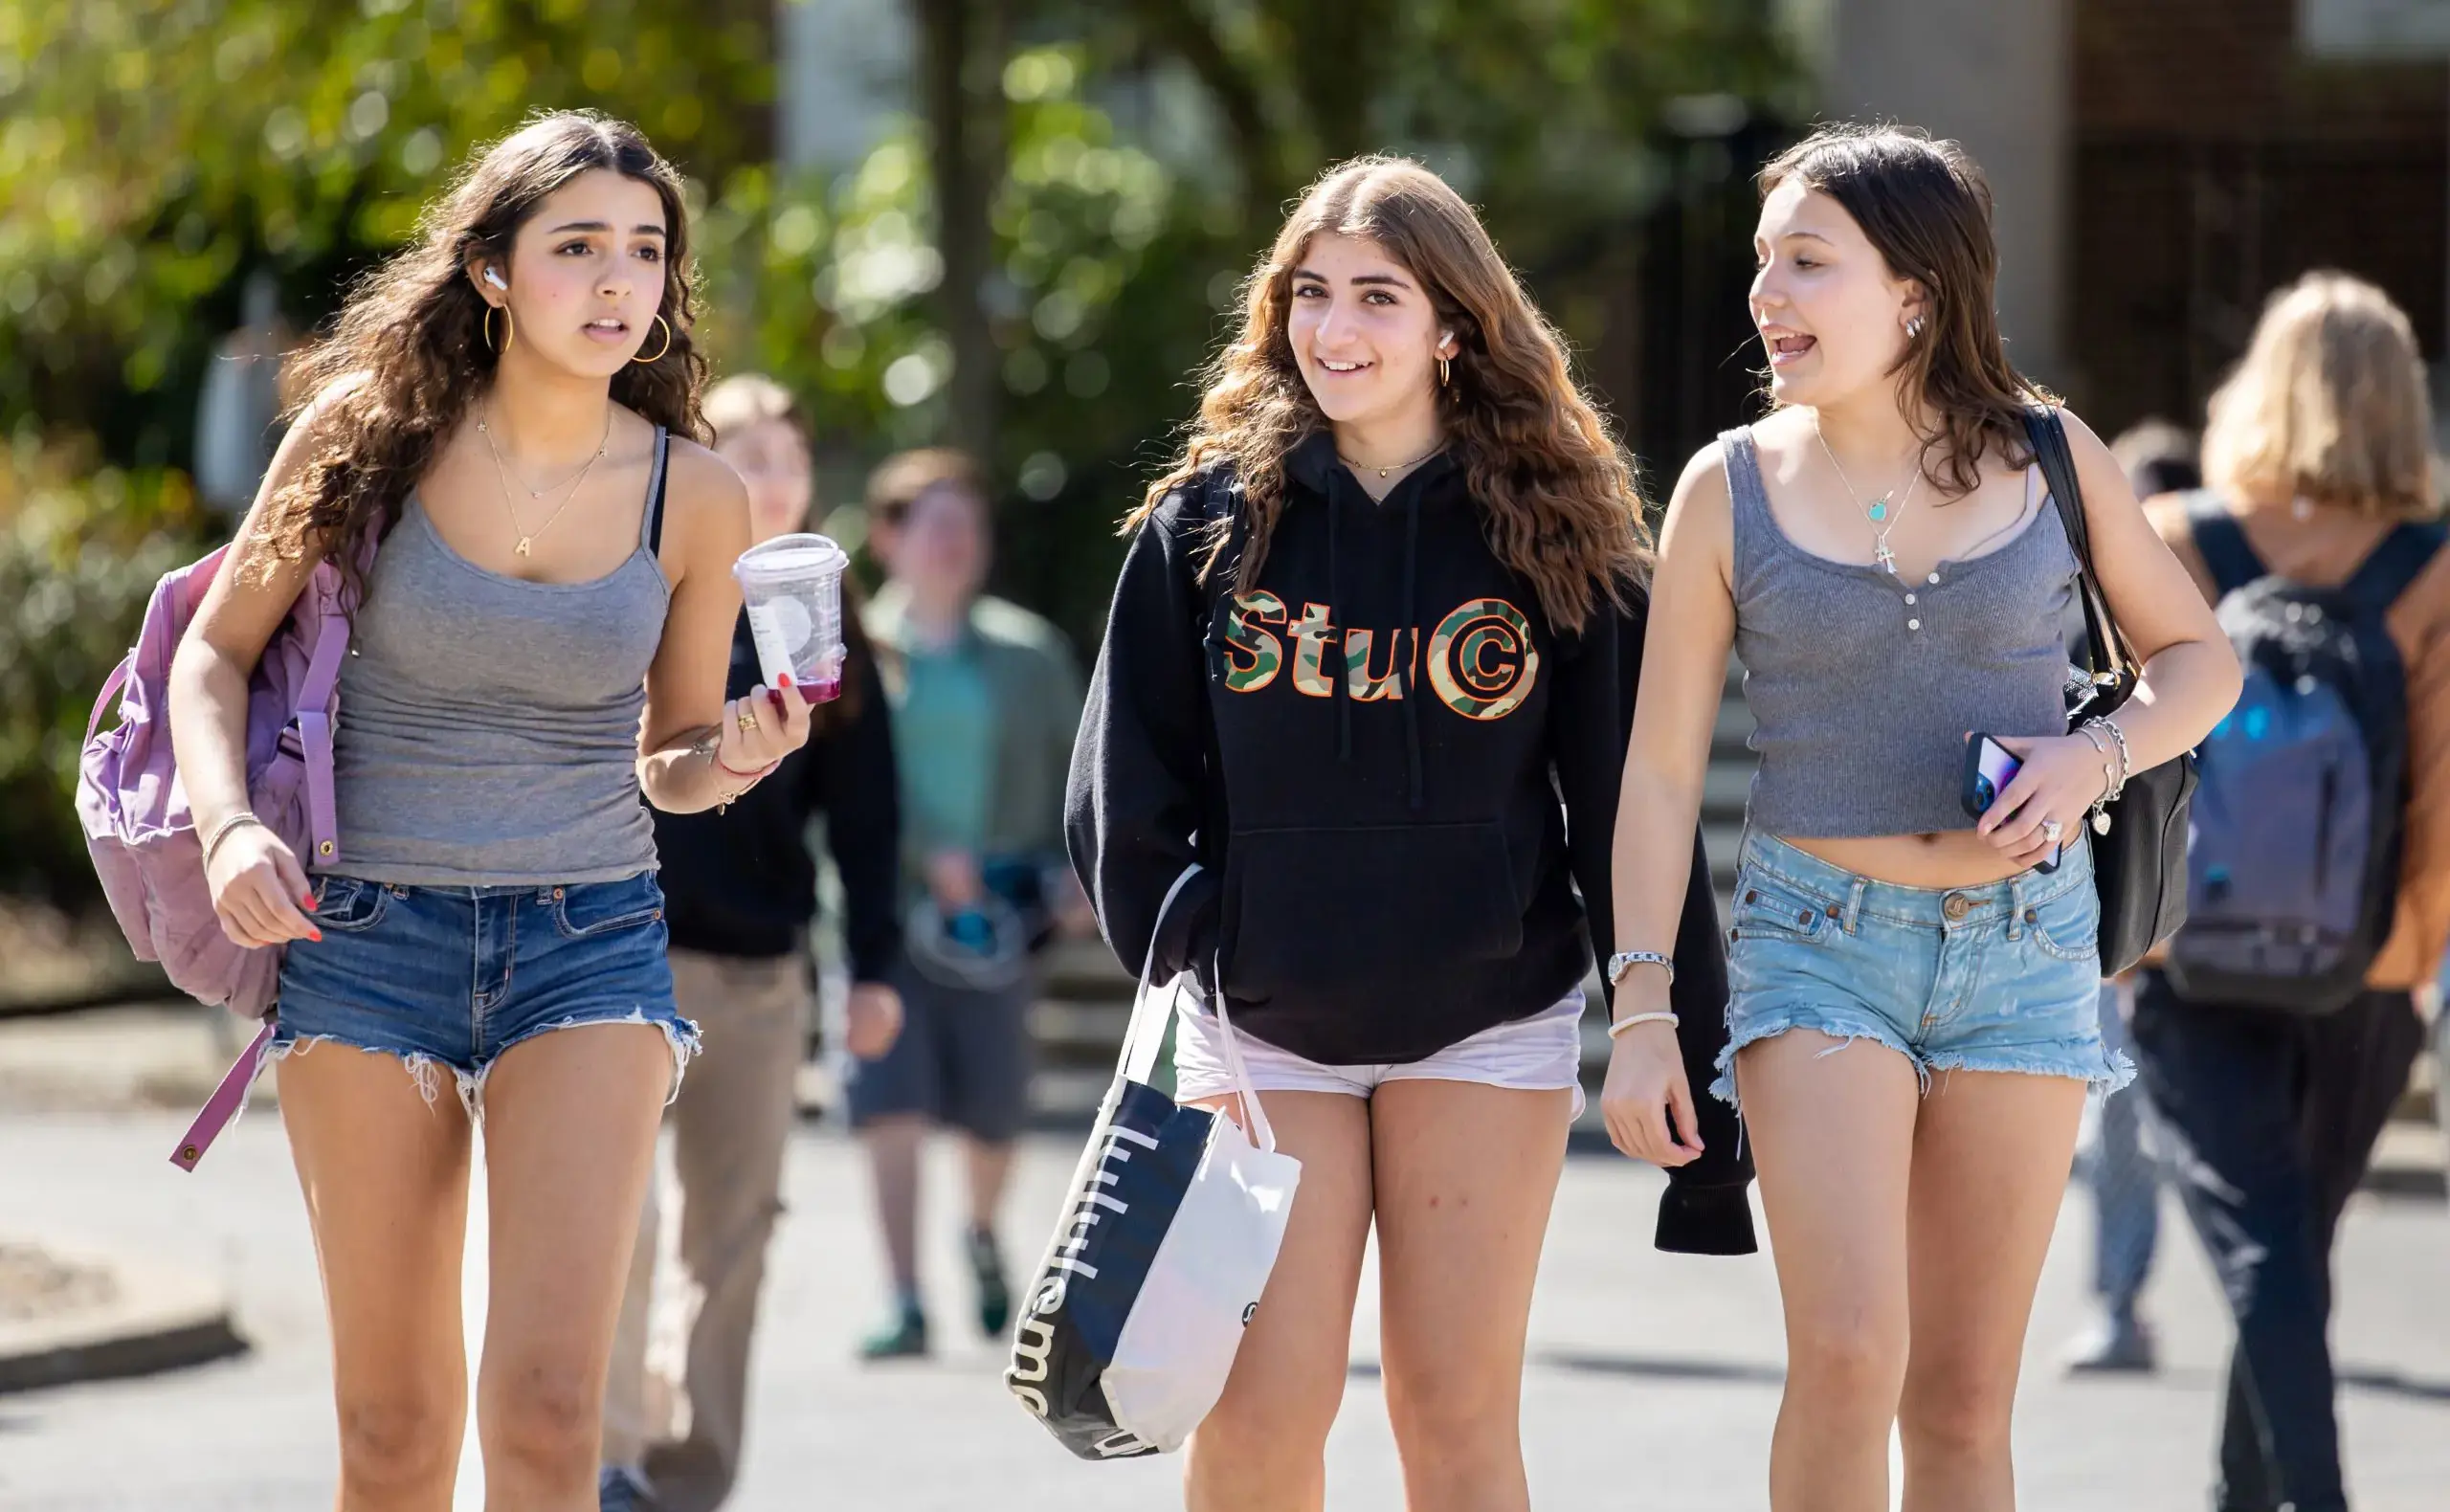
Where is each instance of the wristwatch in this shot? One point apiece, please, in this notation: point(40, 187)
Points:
point(1625, 961)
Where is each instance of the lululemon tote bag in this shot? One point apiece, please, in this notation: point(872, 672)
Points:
point(1159, 1256)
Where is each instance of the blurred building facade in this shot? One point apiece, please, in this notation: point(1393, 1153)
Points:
point(2162, 165)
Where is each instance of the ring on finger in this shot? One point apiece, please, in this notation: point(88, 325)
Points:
point(2052, 830)
point(747, 720)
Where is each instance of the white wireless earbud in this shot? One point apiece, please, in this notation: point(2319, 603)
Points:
point(495, 278)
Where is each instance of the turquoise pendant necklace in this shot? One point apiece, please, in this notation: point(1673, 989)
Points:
point(1884, 519)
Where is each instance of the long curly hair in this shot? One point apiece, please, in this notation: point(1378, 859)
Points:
point(407, 356)
point(1557, 493)
point(1926, 206)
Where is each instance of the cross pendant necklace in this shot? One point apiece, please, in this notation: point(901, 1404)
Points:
point(1882, 518)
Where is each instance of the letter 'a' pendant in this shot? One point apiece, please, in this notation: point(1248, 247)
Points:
point(525, 541)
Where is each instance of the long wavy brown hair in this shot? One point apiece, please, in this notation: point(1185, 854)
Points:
point(1924, 206)
point(1555, 490)
point(407, 356)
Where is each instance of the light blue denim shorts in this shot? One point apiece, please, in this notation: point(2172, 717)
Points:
point(2002, 977)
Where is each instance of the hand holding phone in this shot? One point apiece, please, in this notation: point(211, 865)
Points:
point(1989, 769)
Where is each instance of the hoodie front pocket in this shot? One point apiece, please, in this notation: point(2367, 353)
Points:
point(1315, 907)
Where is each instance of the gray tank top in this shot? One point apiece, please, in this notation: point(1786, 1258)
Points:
point(488, 726)
point(1864, 685)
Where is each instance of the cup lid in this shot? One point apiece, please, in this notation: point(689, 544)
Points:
point(797, 554)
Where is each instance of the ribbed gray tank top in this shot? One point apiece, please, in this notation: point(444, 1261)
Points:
point(488, 726)
point(1864, 685)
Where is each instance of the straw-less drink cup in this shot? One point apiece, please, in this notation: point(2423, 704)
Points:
point(793, 585)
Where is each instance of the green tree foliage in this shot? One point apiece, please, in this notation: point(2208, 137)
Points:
point(81, 545)
point(152, 150)
point(1133, 158)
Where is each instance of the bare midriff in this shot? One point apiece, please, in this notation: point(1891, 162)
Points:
point(1952, 859)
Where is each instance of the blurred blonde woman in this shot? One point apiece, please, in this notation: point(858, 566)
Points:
point(2317, 454)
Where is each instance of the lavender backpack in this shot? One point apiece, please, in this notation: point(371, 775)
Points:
point(142, 838)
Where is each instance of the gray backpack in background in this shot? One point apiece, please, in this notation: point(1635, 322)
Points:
point(2293, 852)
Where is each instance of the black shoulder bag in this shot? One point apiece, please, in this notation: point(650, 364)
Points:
point(2139, 862)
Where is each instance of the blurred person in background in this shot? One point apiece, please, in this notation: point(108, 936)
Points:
point(986, 699)
point(509, 408)
point(2158, 458)
point(2319, 465)
point(1370, 668)
point(739, 891)
point(1914, 1015)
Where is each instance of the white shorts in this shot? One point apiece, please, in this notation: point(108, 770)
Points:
point(1538, 1054)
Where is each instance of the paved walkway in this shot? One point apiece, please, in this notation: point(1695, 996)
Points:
point(1653, 1382)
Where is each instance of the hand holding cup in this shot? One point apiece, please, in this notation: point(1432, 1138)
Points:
point(760, 728)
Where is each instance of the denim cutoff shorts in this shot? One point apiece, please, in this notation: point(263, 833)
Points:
point(2001, 977)
point(451, 977)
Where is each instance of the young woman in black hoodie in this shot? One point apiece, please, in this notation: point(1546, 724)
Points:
point(1381, 618)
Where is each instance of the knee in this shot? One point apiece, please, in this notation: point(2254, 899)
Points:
point(1854, 1362)
point(1455, 1416)
point(1960, 1413)
point(1258, 1440)
point(397, 1440)
point(547, 1418)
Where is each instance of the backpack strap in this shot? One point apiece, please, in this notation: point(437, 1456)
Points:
point(2391, 567)
point(2222, 543)
point(651, 530)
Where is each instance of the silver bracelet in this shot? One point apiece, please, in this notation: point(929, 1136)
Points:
point(1625, 961)
point(221, 831)
point(1631, 1019)
point(2125, 758)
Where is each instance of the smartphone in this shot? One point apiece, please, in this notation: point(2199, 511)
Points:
point(1989, 769)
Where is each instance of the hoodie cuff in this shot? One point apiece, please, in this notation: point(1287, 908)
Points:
point(1188, 940)
point(1705, 1220)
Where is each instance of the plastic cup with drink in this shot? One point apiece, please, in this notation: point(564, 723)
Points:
point(793, 586)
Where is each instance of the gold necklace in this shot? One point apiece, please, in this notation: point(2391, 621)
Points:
point(502, 471)
point(1399, 467)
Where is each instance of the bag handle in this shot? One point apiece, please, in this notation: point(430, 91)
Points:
point(1150, 1011)
point(2105, 646)
point(1138, 1058)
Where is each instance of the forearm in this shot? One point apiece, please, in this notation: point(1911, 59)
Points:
point(2186, 690)
point(207, 734)
point(685, 775)
point(1653, 862)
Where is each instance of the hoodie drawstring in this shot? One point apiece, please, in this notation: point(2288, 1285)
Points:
point(1412, 648)
point(1335, 597)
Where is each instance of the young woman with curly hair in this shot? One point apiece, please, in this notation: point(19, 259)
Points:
point(1913, 1019)
point(504, 420)
point(1370, 666)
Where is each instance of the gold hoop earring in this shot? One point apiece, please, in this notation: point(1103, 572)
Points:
point(509, 328)
point(1445, 372)
point(660, 350)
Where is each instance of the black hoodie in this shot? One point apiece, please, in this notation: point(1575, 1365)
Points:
point(1368, 754)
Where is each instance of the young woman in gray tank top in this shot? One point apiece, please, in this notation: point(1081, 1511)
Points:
point(1912, 1011)
point(507, 408)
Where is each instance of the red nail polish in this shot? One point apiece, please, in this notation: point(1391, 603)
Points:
point(774, 697)
point(782, 679)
